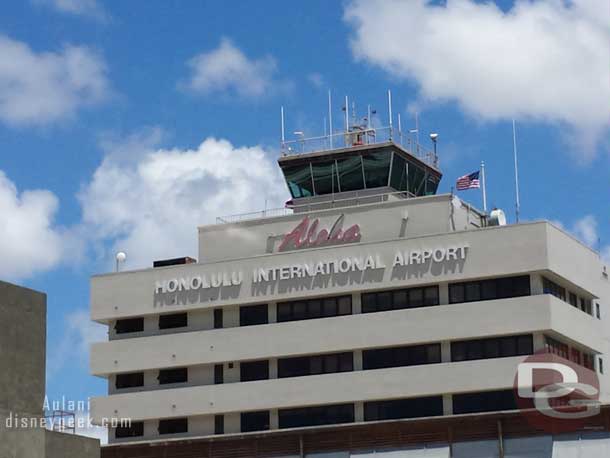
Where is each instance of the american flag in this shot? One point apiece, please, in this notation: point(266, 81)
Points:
point(469, 181)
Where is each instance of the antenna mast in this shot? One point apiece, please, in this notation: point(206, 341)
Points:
point(330, 119)
point(517, 201)
point(390, 110)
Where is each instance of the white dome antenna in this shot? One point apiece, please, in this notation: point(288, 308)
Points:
point(120, 258)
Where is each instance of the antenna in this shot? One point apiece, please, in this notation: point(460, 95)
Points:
point(399, 128)
point(390, 110)
point(346, 114)
point(517, 201)
point(282, 116)
point(120, 258)
point(330, 119)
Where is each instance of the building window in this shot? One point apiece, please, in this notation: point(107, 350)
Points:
point(218, 318)
point(489, 401)
point(218, 374)
point(600, 361)
point(174, 426)
point(253, 314)
point(598, 312)
point(254, 370)
point(586, 306)
point(219, 424)
point(167, 376)
point(497, 347)
point(314, 308)
point(135, 429)
point(575, 357)
point(175, 320)
point(311, 365)
point(130, 380)
point(400, 299)
point(587, 361)
point(129, 325)
point(556, 348)
point(550, 287)
point(401, 356)
point(255, 421)
point(403, 408)
point(494, 288)
point(316, 416)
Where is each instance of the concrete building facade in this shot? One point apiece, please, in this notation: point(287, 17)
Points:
point(22, 381)
point(361, 307)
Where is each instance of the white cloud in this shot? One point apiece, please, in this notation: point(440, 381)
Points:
point(227, 69)
point(38, 88)
point(586, 230)
point(29, 241)
point(149, 201)
point(317, 80)
point(79, 333)
point(546, 60)
point(89, 8)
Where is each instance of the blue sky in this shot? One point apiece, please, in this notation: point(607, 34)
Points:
point(123, 125)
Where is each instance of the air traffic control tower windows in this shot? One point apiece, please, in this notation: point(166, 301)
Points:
point(373, 168)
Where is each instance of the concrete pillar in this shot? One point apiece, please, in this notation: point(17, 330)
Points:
point(358, 411)
point(447, 404)
point(539, 341)
point(446, 352)
point(536, 284)
point(356, 303)
point(443, 293)
point(357, 360)
point(272, 312)
point(274, 419)
point(273, 368)
point(232, 423)
point(231, 372)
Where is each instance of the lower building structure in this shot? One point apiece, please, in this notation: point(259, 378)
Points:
point(374, 320)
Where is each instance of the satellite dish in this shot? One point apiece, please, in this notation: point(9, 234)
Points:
point(497, 218)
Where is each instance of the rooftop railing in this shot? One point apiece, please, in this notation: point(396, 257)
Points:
point(358, 137)
point(354, 200)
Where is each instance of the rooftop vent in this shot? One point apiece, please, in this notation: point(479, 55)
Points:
point(174, 262)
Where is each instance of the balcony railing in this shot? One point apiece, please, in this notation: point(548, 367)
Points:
point(358, 137)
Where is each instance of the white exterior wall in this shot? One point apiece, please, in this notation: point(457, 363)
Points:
point(537, 249)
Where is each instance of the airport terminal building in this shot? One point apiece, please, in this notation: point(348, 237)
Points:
point(374, 315)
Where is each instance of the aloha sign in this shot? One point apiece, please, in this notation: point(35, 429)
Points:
point(308, 235)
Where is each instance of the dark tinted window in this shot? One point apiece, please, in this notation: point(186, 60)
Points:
point(136, 429)
point(550, 287)
point(325, 177)
point(218, 321)
point(299, 180)
point(167, 376)
point(254, 421)
point(175, 320)
point(400, 299)
point(174, 426)
point(131, 380)
point(320, 364)
point(129, 325)
point(218, 374)
point(314, 308)
point(316, 416)
point(253, 314)
point(495, 288)
point(376, 168)
point(351, 177)
point(254, 370)
point(496, 347)
point(489, 401)
point(401, 356)
point(403, 408)
point(219, 424)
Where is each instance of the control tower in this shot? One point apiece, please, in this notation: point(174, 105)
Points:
point(362, 164)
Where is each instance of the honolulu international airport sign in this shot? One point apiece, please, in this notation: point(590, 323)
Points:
point(314, 268)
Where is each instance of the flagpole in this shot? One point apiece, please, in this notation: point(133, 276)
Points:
point(517, 201)
point(484, 187)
